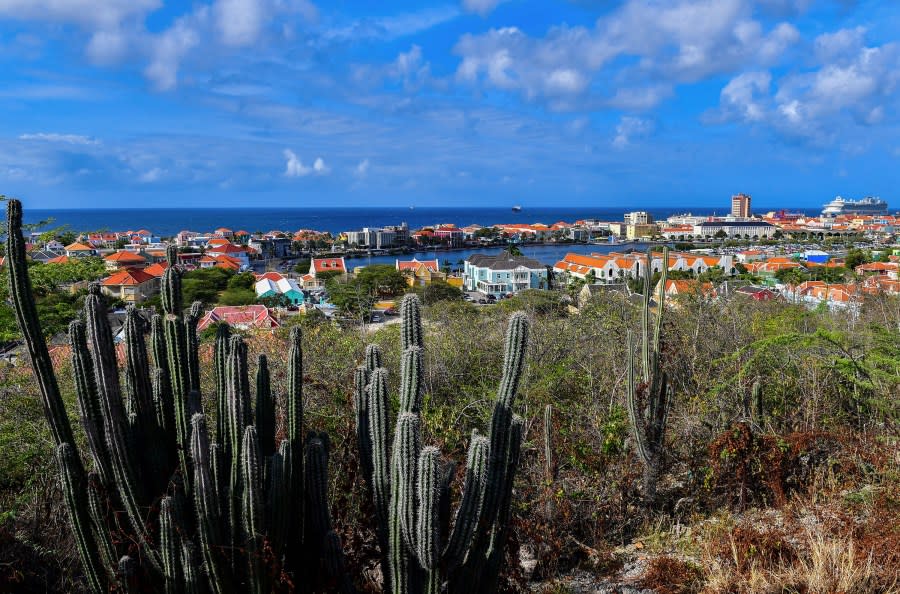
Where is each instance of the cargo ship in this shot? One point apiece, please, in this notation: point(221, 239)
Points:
point(867, 206)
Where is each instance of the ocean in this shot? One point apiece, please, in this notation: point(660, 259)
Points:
point(166, 222)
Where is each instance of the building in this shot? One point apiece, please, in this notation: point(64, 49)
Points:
point(745, 229)
point(639, 217)
point(740, 206)
point(80, 250)
point(503, 273)
point(614, 267)
point(380, 237)
point(131, 285)
point(124, 259)
point(244, 317)
point(320, 265)
point(270, 247)
point(285, 288)
point(420, 272)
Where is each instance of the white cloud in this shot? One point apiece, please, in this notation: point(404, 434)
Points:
point(64, 138)
point(296, 168)
point(482, 7)
point(169, 48)
point(107, 47)
point(744, 98)
point(319, 167)
point(239, 21)
point(630, 128)
point(662, 44)
point(153, 175)
point(362, 169)
point(90, 14)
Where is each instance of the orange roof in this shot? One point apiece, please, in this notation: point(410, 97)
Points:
point(272, 276)
point(78, 247)
point(414, 264)
point(128, 277)
point(125, 256)
point(218, 242)
point(594, 261)
point(156, 269)
point(58, 260)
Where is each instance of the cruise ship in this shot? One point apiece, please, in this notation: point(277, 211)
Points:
point(867, 206)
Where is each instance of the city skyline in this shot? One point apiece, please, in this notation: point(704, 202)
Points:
point(239, 103)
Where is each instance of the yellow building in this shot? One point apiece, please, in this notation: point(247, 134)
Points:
point(420, 272)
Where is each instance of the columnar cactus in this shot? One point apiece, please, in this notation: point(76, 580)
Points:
point(410, 483)
point(650, 399)
point(548, 443)
point(185, 502)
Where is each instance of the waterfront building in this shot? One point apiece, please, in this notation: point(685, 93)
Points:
point(740, 206)
point(503, 273)
point(639, 217)
point(420, 272)
point(319, 265)
point(751, 229)
point(615, 267)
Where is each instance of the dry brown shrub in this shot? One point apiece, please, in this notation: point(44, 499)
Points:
point(668, 575)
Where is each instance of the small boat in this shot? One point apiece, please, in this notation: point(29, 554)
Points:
point(516, 208)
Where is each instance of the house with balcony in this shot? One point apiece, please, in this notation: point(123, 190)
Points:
point(80, 250)
point(503, 273)
point(320, 265)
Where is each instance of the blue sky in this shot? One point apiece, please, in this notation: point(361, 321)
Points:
point(127, 103)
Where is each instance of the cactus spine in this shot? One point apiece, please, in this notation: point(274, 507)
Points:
point(649, 402)
point(410, 483)
point(153, 460)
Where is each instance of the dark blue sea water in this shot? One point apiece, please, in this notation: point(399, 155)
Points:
point(169, 221)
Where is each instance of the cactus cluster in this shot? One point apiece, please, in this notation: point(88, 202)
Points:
point(410, 483)
point(190, 515)
point(650, 398)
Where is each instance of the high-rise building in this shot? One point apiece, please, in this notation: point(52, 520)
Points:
point(740, 206)
point(639, 217)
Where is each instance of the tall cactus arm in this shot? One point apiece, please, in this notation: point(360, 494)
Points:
point(27, 317)
point(377, 423)
point(128, 576)
point(89, 401)
point(170, 546)
point(294, 401)
point(137, 370)
point(220, 355)
point(317, 487)
point(278, 502)
point(361, 412)
point(253, 510)
point(170, 290)
point(470, 506)
point(411, 380)
point(407, 446)
point(74, 490)
point(99, 508)
point(661, 303)
point(410, 322)
point(208, 520)
point(516, 346)
point(635, 407)
point(265, 408)
point(428, 487)
point(373, 357)
point(336, 564)
point(131, 489)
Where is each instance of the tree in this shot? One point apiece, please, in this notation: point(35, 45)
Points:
point(514, 251)
point(381, 280)
point(244, 280)
point(237, 297)
point(302, 266)
point(720, 234)
point(856, 257)
point(715, 275)
point(438, 291)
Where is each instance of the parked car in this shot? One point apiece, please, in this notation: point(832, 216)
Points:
point(491, 298)
point(376, 317)
point(390, 311)
point(483, 301)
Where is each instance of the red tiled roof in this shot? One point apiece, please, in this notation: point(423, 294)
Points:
point(328, 264)
point(128, 277)
point(124, 257)
point(58, 260)
point(252, 316)
point(156, 269)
